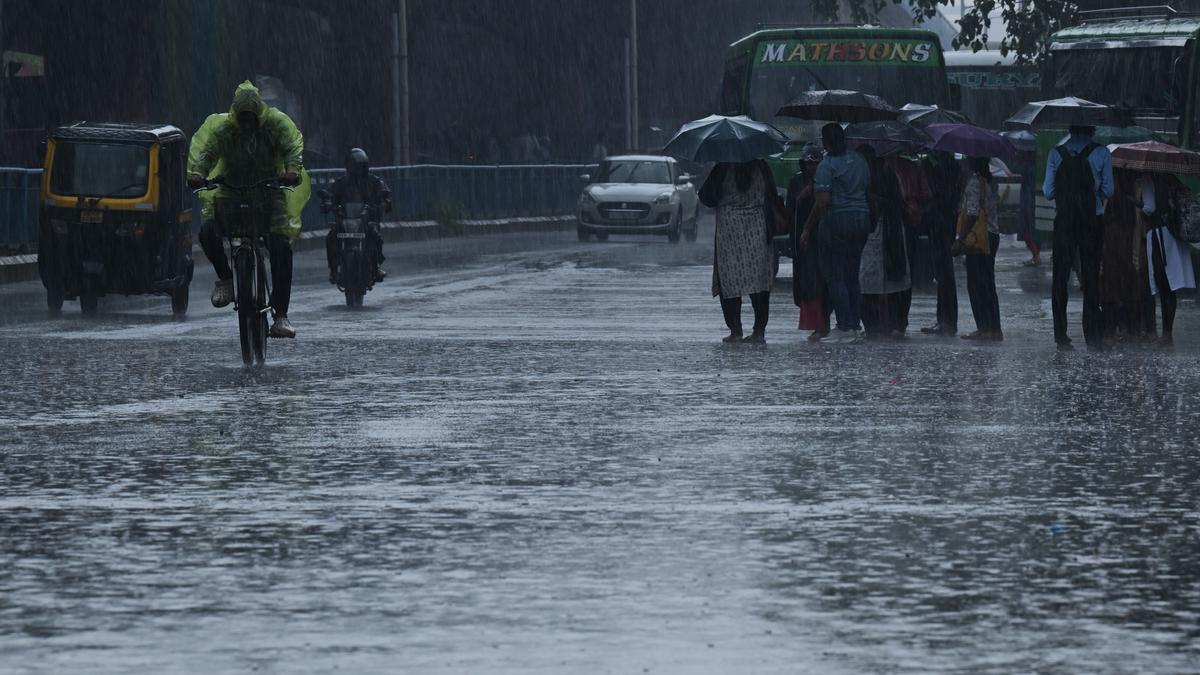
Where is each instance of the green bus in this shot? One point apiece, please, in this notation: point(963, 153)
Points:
point(1145, 64)
point(766, 69)
point(1142, 59)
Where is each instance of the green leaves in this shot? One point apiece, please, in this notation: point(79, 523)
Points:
point(1030, 23)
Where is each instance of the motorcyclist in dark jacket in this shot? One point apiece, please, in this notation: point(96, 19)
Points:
point(358, 185)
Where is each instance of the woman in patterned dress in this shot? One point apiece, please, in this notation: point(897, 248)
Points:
point(742, 194)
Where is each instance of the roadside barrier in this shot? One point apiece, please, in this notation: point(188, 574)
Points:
point(19, 190)
point(441, 193)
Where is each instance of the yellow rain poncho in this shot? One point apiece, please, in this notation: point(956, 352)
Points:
point(220, 148)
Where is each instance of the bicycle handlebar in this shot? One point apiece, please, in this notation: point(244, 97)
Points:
point(268, 183)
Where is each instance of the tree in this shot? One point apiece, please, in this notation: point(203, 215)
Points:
point(1030, 22)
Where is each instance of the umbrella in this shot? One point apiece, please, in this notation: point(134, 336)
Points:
point(839, 105)
point(1068, 111)
point(887, 137)
point(718, 138)
point(1023, 140)
point(919, 114)
point(969, 140)
point(1155, 157)
point(1121, 135)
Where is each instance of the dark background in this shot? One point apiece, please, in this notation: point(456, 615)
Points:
point(483, 73)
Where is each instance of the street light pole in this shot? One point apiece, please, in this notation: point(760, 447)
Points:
point(633, 75)
point(401, 150)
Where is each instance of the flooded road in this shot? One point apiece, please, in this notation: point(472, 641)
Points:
point(537, 457)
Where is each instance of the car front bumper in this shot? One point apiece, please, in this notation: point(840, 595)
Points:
point(659, 219)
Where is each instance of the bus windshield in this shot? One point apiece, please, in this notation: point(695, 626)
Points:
point(1149, 81)
point(771, 89)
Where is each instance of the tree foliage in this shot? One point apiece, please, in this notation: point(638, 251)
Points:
point(1029, 23)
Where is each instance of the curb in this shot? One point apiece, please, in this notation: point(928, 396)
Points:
point(24, 267)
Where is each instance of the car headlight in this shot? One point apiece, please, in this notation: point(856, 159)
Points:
point(586, 199)
point(664, 198)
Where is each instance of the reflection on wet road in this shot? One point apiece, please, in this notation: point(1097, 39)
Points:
point(545, 461)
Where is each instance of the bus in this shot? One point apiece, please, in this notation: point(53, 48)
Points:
point(768, 68)
point(992, 86)
point(1146, 64)
point(1142, 59)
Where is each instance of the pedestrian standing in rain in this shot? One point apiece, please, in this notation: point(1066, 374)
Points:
point(844, 217)
point(808, 288)
point(914, 188)
point(1124, 283)
point(1079, 179)
point(1026, 166)
point(979, 201)
point(744, 197)
point(944, 177)
point(883, 274)
point(1170, 261)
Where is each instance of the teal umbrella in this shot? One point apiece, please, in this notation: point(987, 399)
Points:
point(718, 138)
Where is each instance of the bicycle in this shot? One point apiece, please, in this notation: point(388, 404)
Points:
point(243, 220)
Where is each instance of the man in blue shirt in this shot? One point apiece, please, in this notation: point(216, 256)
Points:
point(841, 210)
point(1079, 178)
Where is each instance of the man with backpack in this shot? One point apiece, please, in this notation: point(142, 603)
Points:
point(1079, 179)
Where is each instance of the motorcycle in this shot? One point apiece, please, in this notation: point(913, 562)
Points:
point(355, 264)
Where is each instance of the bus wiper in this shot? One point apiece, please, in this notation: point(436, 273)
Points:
point(808, 71)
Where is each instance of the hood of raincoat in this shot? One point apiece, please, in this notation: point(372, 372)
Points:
point(247, 99)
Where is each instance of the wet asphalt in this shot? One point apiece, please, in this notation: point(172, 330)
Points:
point(532, 455)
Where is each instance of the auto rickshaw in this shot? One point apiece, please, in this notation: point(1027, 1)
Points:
point(115, 214)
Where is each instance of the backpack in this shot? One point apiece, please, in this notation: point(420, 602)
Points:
point(1074, 184)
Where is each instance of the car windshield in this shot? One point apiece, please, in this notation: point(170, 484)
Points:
point(634, 171)
point(1149, 81)
point(100, 170)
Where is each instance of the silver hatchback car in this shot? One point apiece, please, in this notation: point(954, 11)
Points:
point(639, 194)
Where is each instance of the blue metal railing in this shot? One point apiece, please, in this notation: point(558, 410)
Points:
point(19, 189)
point(438, 192)
point(423, 192)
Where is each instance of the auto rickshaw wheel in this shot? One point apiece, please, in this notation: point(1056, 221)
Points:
point(54, 300)
point(89, 299)
point(179, 300)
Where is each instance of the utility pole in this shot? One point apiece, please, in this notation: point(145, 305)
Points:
point(401, 148)
point(3, 86)
point(628, 98)
point(633, 76)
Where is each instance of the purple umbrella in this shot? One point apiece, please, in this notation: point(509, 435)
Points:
point(970, 140)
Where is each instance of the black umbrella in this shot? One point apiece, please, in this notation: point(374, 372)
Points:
point(838, 105)
point(717, 138)
point(919, 114)
point(1068, 111)
point(887, 137)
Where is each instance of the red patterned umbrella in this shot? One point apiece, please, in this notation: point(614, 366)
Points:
point(1155, 157)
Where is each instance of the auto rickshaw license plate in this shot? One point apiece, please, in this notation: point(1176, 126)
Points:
point(91, 216)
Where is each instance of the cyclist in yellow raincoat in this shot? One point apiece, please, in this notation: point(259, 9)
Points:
point(251, 143)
